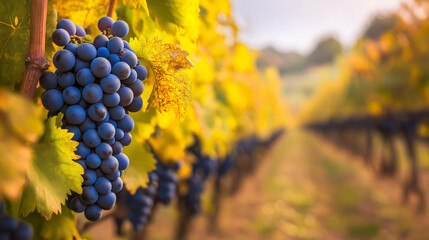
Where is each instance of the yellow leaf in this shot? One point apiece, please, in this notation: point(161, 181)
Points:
point(83, 13)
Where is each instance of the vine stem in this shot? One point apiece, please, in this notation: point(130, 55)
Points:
point(112, 6)
point(35, 63)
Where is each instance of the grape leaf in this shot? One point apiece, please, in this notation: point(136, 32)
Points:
point(14, 33)
point(170, 68)
point(141, 163)
point(136, 4)
point(61, 226)
point(83, 13)
point(20, 125)
point(53, 173)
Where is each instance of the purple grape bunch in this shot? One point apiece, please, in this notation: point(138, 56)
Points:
point(95, 86)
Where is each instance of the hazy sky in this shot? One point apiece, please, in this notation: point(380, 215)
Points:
point(298, 24)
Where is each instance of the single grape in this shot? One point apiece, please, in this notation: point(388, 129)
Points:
point(111, 100)
point(86, 51)
point(82, 163)
point(93, 161)
point(121, 70)
point(77, 205)
point(91, 138)
point(136, 105)
point(110, 165)
point(119, 134)
point(113, 122)
point(82, 150)
point(104, 151)
point(71, 47)
point(126, 123)
point(48, 80)
point(80, 31)
point(89, 195)
point(92, 93)
point(106, 131)
point(127, 45)
point(103, 185)
point(86, 125)
point(75, 114)
point(23, 232)
point(80, 64)
point(89, 177)
point(71, 95)
point(67, 25)
point(113, 59)
point(117, 147)
point(100, 41)
point(117, 113)
point(132, 78)
point(93, 212)
point(117, 185)
point(113, 176)
point(123, 161)
point(107, 201)
point(141, 72)
point(126, 140)
point(66, 79)
point(64, 60)
point(137, 87)
point(110, 142)
point(130, 58)
point(75, 130)
point(52, 100)
point(126, 95)
point(110, 83)
point(8, 223)
point(60, 37)
point(115, 45)
point(120, 28)
point(105, 23)
point(85, 77)
point(97, 112)
point(103, 52)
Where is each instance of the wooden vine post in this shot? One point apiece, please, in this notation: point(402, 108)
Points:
point(35, 63)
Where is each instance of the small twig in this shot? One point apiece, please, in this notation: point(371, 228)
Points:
point(112, 6)
point(35, 62)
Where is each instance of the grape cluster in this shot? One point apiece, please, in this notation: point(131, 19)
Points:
point(12, 229)
point(168, 179)
point(95, 86)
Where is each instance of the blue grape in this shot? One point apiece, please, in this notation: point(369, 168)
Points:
point(105, 23)
point(132, 78)
point(104, 120)
point(71, 47)
point(126, 123)
point(103, 52)
point(8, 222)
point(117, 113)
point(117, 147)
point(110, 83)
point(67, 25)
point(113, 122)
point(103, 185)
point(82, 150)
point(100, 41)
point(80, 31)
point(91, 138)
point(110, 142)
point(85, 77)
point(119, 134)
point(92, 93)
point(126, 140)
point(93, 161)
point(113, 176)
point(121, 70)
point(64, 60)
point(107, 201)
point(93, 212)
point(120, 28)
point(130, 58)
point(99, 172)
point(100, 67)
point(111, 100)
point(106, 131)
point(141, 72)
point(126, 95)
point(127, 45)
point(86, 125)
point(110, 165)
point(52, 100)
point(48, 80)
point(77, 205)
point(82, 163)
point(104, 150)
point(117, 185)
point(115, 45)
point(80, 64)
point(137, 87)
point(66, 79)
point(89, 195)
point(75, 114)
point(71, 95)
point(89, 177)
point(113, 59)
point(86, 51)
point(136, 105)
point(75, 130)
point(60, 37)
point(23, 232)
point(123, 161)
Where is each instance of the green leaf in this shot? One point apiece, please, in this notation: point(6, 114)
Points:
point(14, 33)
point(21, 125)
point(141, 163)
point(53, 174)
